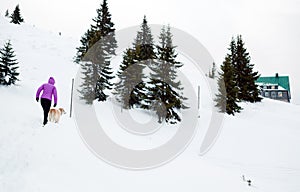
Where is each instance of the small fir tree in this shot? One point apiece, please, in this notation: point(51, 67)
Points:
point(164, 89)
point(8, 65)
point(227, 98)
point(16, 17)
point(144, 43)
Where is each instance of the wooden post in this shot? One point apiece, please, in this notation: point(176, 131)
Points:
point(198, 101)
point(71, 98)
point(198, 97)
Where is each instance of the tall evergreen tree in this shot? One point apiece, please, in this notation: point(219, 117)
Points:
point(104, 47)
point(144, 55)
point(227, 98)
point(164, 88)
point(130, 90)
point(8, 65)
point(16, 17)
point(129, 76)
point(144, 43)
point(101, 44)
point(244, 74)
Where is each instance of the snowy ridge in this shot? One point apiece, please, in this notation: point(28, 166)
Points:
point(261, 143)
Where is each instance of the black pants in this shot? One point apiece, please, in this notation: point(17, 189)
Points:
point(46, 104)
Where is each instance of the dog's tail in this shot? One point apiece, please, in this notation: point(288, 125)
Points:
point(50, 116)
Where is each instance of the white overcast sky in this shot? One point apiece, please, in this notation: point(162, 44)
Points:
point(270, 28)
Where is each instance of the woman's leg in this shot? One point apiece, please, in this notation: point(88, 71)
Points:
point(46, 104)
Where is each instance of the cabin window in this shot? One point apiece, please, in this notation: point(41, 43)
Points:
point(268, 87)
point(266, 94)
point(273, 94)
point(280, 94)
point(276, 86)
point(284, 94)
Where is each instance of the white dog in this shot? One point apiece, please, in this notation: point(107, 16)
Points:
point(54, 114)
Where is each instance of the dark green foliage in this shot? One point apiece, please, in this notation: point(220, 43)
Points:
point(123, 87)
point(130, 75)
point(245, 77)
point(103, 24)
point(8, 65)
point(226, 99)
point(237, 80)
point(85, 45)
point(100, 57)
point(166, 102)
point(161, 92)
point(16, 17)
point(104, 29)
point(221, 96)
point(98, 46)
point(143, 44)
point(164, 88)
point(144, 54)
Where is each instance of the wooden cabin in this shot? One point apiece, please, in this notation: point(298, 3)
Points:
point(276, 87)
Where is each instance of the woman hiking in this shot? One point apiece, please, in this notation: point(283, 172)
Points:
point(49, 90)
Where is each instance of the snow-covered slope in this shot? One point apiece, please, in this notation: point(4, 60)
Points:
point(260, 143)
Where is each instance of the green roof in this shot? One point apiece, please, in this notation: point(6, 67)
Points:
point(283, 81)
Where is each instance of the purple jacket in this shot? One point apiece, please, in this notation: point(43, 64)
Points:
point(48, 90)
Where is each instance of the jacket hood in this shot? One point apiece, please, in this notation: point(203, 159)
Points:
point(51, 81)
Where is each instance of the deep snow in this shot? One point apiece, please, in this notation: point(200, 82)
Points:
point(260, 143)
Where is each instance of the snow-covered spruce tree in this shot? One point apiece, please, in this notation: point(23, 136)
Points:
point(129, 75)
point(244, 74)
point(101, 45)
point(16, 17)
point(227, 98)
point(144, 44)
point(165, 91)
point(105, 45)
point(8, 65)
point(145, 53)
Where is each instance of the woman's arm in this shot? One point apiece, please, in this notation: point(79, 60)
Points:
point(39, 91)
